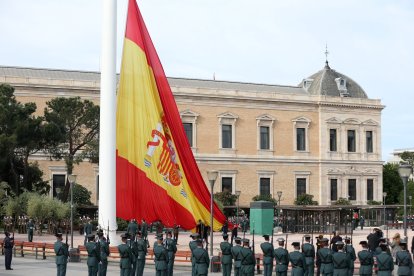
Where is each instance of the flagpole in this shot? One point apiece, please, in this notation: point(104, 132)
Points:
point(107, 135)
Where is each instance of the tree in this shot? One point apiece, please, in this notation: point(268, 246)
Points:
point(264, 198)
point(342, 201)
point(408, 157)
point(77, 123)
point(225, 198)
point(392, 183)
point(305, 199)
point(81, 195)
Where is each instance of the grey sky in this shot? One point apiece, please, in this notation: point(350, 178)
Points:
point(276, 42)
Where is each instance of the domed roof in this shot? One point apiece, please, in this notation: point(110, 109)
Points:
point(331, 83)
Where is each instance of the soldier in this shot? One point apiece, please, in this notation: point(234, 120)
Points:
point(235, 252)
point(378, 250)
point(309, 251)
point(282, 258)
point(202, 260)
point(133, 246)
point(226, 259)
point(8, 244)
point(335, 239)
point(142, 246)
point(161, 257)
point(62, 254)
point(403, 259)
point(171, 247)
point(87, 230)
point(193, 245)
point(104, 253)
point(126, 256)
point(319, 245)
point(30, 228)
point(298, 261)
point(325, 257)
point(93, 255)
point(144, 229)
point(268, 254)
point(341, 260)
point(248, 259)
point(132, 229)
point(384, 262)
point(366, 260)
point(349, 249)
point(175, 232)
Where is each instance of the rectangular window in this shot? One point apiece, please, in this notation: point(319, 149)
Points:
point(300, 139)
point(227, 184)
point(351, 141)
point(188, 128)
point(369, 141)
point(264, 186)
point(226, 136)
point(334, 189)
point(59, 181)
point(352, 189)
point(332, 139)
point(300, 186)
point(370, 189)
point(264, 138)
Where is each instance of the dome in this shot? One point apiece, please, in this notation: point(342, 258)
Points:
point(331, 83)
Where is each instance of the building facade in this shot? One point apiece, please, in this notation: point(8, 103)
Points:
point(321, 137)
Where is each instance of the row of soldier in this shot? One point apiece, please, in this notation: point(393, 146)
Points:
point(26, 225)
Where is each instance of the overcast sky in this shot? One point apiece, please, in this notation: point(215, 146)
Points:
point(263, 41)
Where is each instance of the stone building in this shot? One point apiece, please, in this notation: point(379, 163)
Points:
point(321, 137)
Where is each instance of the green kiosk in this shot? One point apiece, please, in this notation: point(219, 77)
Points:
point(261, 217)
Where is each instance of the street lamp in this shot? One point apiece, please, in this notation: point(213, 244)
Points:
point(405, 170)
point(72, 181)
point(212, 176)
point(384, 194)
point(279, 195)
point(238, 193)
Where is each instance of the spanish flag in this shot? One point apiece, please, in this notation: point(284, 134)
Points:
point(157, 177)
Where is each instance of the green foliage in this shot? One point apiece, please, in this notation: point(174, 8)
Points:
point(373, 202)
point(408, 157)
point(342, 201)
point(18, 206)
point(225, 198)
point(4, 196)
point(392, 183)
point(410, 191)
point(122, 224)
point(81, 195)
point(264, 198)
point(305, 199)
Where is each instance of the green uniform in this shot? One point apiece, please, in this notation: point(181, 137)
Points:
point(268, 254)
point(126, 259)
point(161, 259)
point(367, 261)
point(282, 261)
point(142, 246)
point(62, 254)
point(298, 261)
point(235, 252)
point(351, 252)
point(94, 254)
point(103, 265)
point(202, 261)
point(309, 252)
point(385, 264)
point(192, 245)
point(226, 258)
point(341, 262)
point(87, 230)
point(132, 229)
point(404, 262)
point(134, 251)
point(248, 261)
point(30, 228)
point(171, 247)
point(144, 230)
point(325, 257)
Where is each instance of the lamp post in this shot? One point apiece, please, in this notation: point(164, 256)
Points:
point(384, 194)
point(405, 170)
point(212, 176)
point(72, 181)
point(279, 195)
point(238, 193)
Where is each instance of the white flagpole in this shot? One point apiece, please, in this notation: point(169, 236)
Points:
point(107, 135)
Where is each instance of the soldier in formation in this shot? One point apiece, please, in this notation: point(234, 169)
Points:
point(403, 259)
point(94, 255)
point(281, 258)
point(366, 260)
point(144, 229)
point(160, 257)
point(87, 230)
point(236, 254)
point(341, 260)
point(193, 245)
point(298, 261)
point(62, 254)
point(385, 263)
point(126, 255)
point(248, 259)
point(202, 260)
point(349, 249)
point(226, 259)
point(171, 247)
point(132, 229)
point(131, 243)
point(142, 247)
point(268, 255)
point(309, 251)
point(324, 256)
point(104, 253)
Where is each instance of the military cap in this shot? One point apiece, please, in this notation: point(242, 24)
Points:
point(237, 239)
point(160, 237)
point(324, 240)
point(382, 239)
point(246, 240)
point(124, 236)
point(199, 241)
point(280, 239)
point(347, 238)
point(100, 233)
point(295, 243)
point(225, 236)
point(363, 243)
point(266, 236)
point(339, 243)
point(194, 235)
point(383, 246)
point(91, 236)
point(56, 235)
point(168, 232)
point(307, 236)
point(403, 242)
